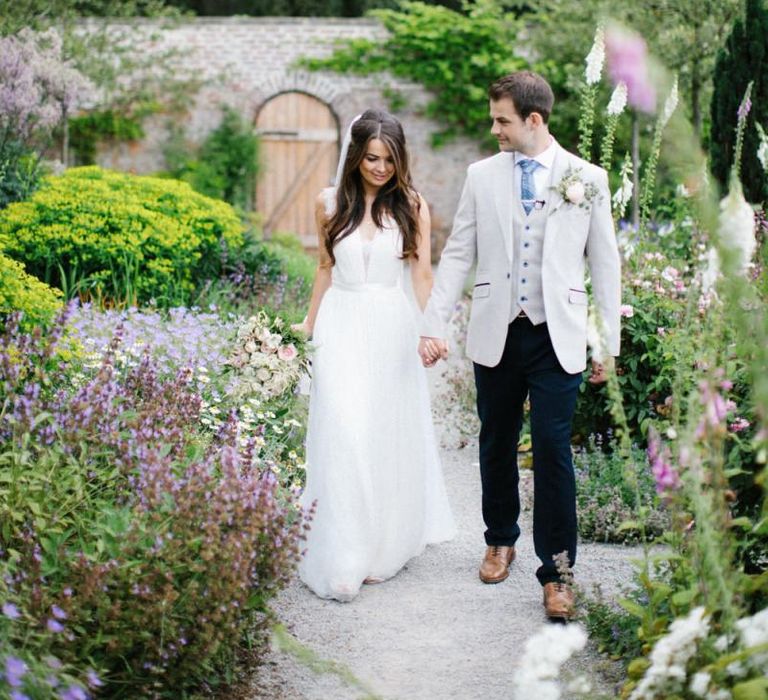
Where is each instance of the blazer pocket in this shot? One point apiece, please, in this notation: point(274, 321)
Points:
point(578, 296)
point(481, 290)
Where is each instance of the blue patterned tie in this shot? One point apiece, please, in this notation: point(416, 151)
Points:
point(527, 187)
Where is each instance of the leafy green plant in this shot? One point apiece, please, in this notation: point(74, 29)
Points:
point(455, 55)
point(742, 60)
point(120, 239)
point(226, 164)
point(86, 131)
point(609, 506)
point(22, 292)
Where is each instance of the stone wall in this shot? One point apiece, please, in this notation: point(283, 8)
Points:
point(246, 61)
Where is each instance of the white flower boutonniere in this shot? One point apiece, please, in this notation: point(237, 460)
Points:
point(573, 189)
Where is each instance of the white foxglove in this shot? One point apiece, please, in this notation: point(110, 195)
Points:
point(670, 105)
point(711, 273)
point(623, 195)
point(762, 149)
point(595, 337)
point(595, 59)
point(618, 99)
point(737, 225)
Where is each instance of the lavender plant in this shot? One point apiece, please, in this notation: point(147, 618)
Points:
point(132, 551)
point(39, 90)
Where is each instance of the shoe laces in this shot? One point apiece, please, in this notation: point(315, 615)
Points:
point(560, 587)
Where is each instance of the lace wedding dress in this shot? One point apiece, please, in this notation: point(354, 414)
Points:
point(372, 461)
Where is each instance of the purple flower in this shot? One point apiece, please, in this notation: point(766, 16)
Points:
point(93, 679)
point(665, 475)
point(627, 59)
point(58, 613)
point(54, 625)
point(15, 668)
point(74, 692)
point(739, 424)
point(11, 611)
point(744, 108)
point(18, 695)
point(53, 662)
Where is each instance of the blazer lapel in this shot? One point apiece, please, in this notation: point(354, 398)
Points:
point(504, 186)
point(559, 166)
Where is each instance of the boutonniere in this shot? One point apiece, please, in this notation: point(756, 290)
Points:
point(573, 189)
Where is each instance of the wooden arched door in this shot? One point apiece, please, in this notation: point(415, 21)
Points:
point(299, 149)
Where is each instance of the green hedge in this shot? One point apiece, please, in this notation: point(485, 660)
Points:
point(22, 292)
point(119, 238)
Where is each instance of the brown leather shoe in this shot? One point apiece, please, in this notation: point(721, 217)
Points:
point(495, 566)
point(559, 600)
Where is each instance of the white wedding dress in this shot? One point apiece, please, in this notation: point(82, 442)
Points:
point(373, 467)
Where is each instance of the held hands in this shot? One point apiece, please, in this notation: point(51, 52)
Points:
point(431, 350)
point(600, 371)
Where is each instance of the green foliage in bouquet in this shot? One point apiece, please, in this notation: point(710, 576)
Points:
point(120, 239)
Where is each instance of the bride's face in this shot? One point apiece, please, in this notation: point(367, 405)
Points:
point(377, 166)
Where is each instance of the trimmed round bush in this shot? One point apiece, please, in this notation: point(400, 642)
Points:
point(118, 238)
point(20, 291)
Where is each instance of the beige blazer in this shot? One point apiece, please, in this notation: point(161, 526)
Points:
point(575, 239)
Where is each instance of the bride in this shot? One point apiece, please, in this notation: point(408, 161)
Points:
point(373, 470)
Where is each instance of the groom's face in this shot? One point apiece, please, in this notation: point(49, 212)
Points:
point(512, 132)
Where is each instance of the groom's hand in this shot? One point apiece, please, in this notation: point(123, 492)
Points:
point(600, 371)
point(431, 350)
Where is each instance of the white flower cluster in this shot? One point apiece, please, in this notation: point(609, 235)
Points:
point(762, 149)
point(754, 633)
point(267, 366)
point(596, 335)
point(737, 225)
point(670, 105)
point(539, 670)
point(595, 58)
point(670, 655)
point(618, 100)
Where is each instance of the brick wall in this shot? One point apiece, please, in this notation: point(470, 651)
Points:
point(246, 61)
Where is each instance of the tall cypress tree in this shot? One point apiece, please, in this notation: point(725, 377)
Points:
point(743, 58)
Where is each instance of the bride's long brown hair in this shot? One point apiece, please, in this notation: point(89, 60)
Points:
point(396, 198)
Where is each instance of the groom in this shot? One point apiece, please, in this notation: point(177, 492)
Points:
point(530, 217)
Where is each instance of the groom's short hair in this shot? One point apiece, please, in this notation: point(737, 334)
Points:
point(528, 91)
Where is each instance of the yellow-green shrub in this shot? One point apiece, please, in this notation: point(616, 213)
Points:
point(120, 238)
point(20, 291)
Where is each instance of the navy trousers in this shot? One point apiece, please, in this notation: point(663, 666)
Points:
point(528, 367)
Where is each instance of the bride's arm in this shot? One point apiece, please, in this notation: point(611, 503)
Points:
point(421, 268)
point(323, 271)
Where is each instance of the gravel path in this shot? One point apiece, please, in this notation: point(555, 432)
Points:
point(434, 630)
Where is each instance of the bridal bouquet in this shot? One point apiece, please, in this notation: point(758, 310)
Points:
point(269, 358)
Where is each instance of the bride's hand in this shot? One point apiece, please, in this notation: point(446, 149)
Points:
point(302, 328)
